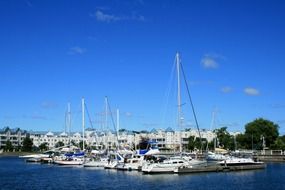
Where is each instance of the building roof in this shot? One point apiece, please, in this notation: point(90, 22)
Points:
point(169, 129)
point(49, 134)
point(153, 130)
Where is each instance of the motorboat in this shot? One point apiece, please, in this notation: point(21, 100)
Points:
point(96, 162)
point(163, 166)
point(70, 161)
point(133, 163)
point(234, 161)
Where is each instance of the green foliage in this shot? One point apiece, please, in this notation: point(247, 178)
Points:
point(27, 144)
point(279, 144)
point(81, 145)
point(225, 140)
point(255, 130)
point(73, 143)
point(59, 144)
point(9, 147)
point(43, 146)
point(195, 143)
point(191, 143)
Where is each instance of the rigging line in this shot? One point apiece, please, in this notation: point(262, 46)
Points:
point(112, 118)
point(90, 122)
point(167, 94)
point(192, 106)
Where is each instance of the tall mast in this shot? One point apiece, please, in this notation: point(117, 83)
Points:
point(179, 99)
point(106, 121)
point(83, 122)
point(69, 121)
point(118, 122)
point(213, 127)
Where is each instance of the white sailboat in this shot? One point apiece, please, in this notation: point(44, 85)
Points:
point(74, 157)
point(170, 164)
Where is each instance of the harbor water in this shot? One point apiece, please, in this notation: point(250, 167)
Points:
point(15, 173)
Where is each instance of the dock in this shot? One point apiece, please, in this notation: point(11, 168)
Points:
point(218, 168)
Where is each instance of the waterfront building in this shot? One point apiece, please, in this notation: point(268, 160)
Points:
point(165, 138)
point(15, 136)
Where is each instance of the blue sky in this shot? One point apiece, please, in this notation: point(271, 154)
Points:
point(55, 52)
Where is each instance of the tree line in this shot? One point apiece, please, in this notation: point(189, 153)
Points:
point(259, 134)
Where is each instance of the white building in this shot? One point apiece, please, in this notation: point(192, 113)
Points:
point(167, 138)
point(15, 136)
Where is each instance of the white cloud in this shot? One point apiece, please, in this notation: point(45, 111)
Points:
point(128, 114)
point(251, 91)
point(209, 63)
point(226, 89)
point(104, 17)
point(77, 50)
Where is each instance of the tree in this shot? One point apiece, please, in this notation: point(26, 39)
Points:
point(59, 144)
point(43, 146)
point(9, 147)
point(191, 143)
point(81, 145)
point(225, 140)
point(27, 144)
point(195, 143)
point(279, 144)
point(257, 129)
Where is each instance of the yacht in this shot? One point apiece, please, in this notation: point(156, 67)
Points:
point(96, 162)
point(162, 165)
point(133, 163)
point(234, 161)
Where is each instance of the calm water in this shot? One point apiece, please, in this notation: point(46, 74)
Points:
point(16, 174)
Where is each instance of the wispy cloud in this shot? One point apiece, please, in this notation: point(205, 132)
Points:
point(77, 50)
point(226, 89)
point(278, 106)
point(205, 82)
point(229, 124)
point(35, 116)
point(148, 125)
point(251, 91)
point(128, 114)
point(28, 3)
point(210, 61)
point(281, 122)
point(48, 105)
point(105, 17)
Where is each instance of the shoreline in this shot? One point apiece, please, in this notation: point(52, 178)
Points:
point(7, 154)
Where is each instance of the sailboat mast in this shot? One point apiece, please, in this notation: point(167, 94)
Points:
point(106, 122)
point(83, 123)
point(69, 121)
point(213, 127)
point(118, 122)
point(179, 99)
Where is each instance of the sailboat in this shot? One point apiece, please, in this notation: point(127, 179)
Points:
point(170, 164)
point(73, 155)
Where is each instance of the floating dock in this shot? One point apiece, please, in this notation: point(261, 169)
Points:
point(218, 168)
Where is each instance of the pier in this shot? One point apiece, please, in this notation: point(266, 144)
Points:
point(216, 168)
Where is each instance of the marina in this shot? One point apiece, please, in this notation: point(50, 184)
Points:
point(17, 174)
point(142, 95)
